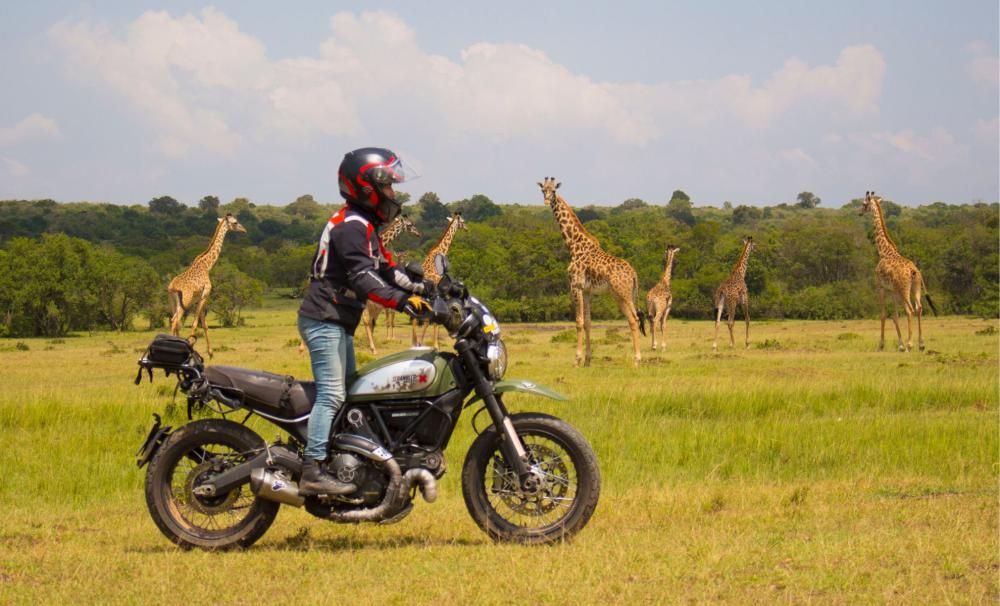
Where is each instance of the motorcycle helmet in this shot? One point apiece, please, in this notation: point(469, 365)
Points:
point(365, 176)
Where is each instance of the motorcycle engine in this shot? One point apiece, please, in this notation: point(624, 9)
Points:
point(371, 482)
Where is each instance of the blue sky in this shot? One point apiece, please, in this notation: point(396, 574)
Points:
point(743, 102)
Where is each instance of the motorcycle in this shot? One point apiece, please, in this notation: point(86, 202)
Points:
point(215, 484)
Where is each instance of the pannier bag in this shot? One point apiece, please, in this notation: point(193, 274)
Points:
point(169, 353)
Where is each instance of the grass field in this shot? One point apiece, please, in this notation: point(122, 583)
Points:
point(808, 469)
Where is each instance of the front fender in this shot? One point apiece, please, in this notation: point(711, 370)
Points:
point(524, 386)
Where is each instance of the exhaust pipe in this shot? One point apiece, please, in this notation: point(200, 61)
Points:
point(275, 486)
point(428, 485)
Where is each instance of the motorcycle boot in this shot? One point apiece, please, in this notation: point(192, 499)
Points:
point(317, 482)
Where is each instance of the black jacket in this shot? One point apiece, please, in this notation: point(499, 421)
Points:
point(349, 267)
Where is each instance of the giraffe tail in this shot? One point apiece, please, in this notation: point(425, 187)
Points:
point(931, 303)
point(640, 314)
point(927, 295)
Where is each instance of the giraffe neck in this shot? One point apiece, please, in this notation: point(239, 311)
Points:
point(445, 242)
point(886, 247)
point(740, 270)
point(576, 236)
point(669, 268)
point(206, 260)
point(394, 229)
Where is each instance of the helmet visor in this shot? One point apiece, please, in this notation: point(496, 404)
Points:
point(393, 171)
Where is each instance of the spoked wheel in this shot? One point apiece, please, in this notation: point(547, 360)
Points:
point(560, 501)
point(191, 456)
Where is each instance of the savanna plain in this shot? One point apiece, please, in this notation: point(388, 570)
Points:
point(810, 468)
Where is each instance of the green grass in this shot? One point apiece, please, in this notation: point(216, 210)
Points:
point(810, 470)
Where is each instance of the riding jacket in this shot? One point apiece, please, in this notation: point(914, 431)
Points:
point(349, 267)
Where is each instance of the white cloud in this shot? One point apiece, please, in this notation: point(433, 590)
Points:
point(202, 85)
point(983, 66)
point(938, 146)
point(13, 168)
point(35, 126)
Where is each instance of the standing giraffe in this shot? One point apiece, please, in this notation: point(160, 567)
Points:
point(898, 275)
point(455, 223)
point(399, 225)
point(731, 292)
point(592, 270)
point(660, 299)
point(193, 284)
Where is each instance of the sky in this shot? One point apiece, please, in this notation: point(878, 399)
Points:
point(751, 103)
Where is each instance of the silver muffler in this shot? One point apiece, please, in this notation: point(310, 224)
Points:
point(275, 486)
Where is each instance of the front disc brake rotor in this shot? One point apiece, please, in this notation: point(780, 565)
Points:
point(552, 487)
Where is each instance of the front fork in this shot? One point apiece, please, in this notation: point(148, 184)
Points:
point(510, 443)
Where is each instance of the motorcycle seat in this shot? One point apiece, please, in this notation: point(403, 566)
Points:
point(276, 394)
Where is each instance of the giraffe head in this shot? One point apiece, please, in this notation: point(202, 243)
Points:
point(232, 224)
point(549, 187)
point(671, 249)
point(458, 221)
point(406, 224)
point(870, 201)
point(749, 244)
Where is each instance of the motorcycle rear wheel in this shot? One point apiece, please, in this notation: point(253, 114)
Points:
point(563, 504)
point(191, 455)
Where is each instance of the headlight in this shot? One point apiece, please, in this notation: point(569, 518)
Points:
point(496, 353)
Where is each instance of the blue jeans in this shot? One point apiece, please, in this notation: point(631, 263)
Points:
point(331, 352)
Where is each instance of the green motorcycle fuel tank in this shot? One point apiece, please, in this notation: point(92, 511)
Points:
point(420, 372)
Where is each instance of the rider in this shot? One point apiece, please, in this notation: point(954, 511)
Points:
point(350, 266)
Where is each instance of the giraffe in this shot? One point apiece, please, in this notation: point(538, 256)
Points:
point(731, 292)
point(660, 299)
point(399, 225)
point(193, 284)
point(455, 223)
point(897, 275)
point(592, 270)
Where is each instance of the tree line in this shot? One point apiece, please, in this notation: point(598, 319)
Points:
point(86, 266)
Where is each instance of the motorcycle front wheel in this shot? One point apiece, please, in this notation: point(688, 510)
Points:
point(562, 503)
point(190, 456)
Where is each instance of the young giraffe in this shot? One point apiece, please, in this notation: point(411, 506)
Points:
point(592, 270)
point(660, 299)
point(898, 275)
point(731, 292)
point(399, 225)
point(455, 223)
point(193, 284)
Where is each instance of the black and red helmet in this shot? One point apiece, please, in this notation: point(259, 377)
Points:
point(363, 174)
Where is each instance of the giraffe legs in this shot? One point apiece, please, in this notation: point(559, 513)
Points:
point(199, 317)
point(204, 328)
point(663, 327)
point(581, 315)
point(746, 317)
point(177, 313)
point(586, 327)
point(390, 325)
point(881, 304)
point(919, 308)
point(730, 322)
point(370, 333)
point(718, 318)
point(633, 324)
point(895, 320)
point(416, 326)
